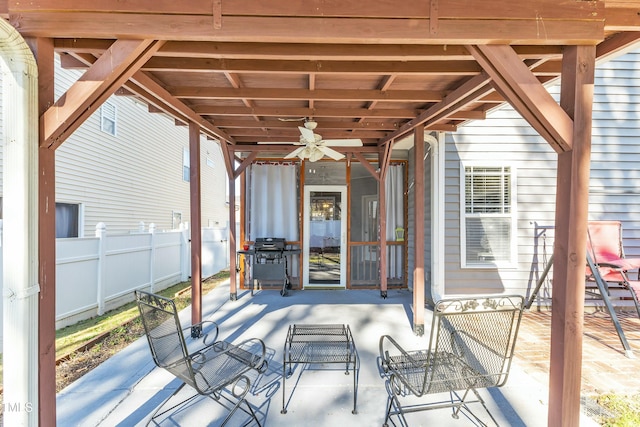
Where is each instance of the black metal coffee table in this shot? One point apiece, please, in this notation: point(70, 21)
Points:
point(319, 344)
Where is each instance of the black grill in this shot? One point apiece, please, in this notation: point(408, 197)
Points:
point(269, 247)
point(269, 261)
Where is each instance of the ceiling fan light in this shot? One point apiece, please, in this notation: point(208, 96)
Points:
point(310, 124)
point(315, 155)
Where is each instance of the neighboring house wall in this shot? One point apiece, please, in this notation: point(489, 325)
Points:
point(136, 175)
point(506, 138)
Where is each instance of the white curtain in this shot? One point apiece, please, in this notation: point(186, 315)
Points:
point(274, 202)
point(394, 186)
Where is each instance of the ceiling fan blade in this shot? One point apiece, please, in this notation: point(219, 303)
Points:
point(331, 153)
point(291, 119)
point(295, 152)
point(307, 134)
point(342, 142)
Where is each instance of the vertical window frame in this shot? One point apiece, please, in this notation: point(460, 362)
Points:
point(109, 114)
point(507, 207)
point(186, 165)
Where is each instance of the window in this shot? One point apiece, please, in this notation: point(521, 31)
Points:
point(176, 219)
point(186, 163)
point(67, 220)
point(488, 217)
point(108, 116)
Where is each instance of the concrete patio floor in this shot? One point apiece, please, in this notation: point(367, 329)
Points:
point(126, 389)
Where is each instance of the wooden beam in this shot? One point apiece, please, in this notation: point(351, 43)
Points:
point(451, 9)
point(159, 100)
point(293, 134)
point(209, 65)
point(471, 90)
point(104, 77)
point(398, 113)
point(229, 163)
point(616, 44)
point(298, 51)
point(569, 23)
point(364, 162)
point(206, 92)
point(622, 17)
point(324, 124)
point(165, 101)
point(569, 255)
point(245, 163)
point(525, 93)
point(246, 148)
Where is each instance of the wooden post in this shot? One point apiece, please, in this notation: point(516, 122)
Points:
point(569, 254)
point(382, 222)
point(418, 272)
point(233, 286)
point(196, 228)
point(44, 53)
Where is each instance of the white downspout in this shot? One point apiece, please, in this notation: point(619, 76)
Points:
point(437, 216)
point(20, 240)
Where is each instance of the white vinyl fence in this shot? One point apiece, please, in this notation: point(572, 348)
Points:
point(97, 274)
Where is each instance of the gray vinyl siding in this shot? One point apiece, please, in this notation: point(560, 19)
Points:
point(615, 176)
point(505, 136)
point(135, 176)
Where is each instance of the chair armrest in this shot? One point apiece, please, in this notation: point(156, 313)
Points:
point(202, 327)
point(612, 268)
point(258, 351)
point(385, 358)
point(611, 265)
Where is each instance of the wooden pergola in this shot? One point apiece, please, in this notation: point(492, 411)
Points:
point(377, 71)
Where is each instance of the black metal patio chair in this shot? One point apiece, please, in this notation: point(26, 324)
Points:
point(217, 369)
point(471, 347)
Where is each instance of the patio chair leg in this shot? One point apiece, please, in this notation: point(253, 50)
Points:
point(635, 298)
point(607, 303)
point(284, 380)
point(393, 400)
point(355, 390)
point(455, 409)
point(388, 414)
point(239, 399)
point(156, 413)
point(463, 405)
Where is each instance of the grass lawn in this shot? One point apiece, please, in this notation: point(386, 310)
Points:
point(70, 338)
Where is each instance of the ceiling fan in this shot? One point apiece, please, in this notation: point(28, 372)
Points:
point(314, 147)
